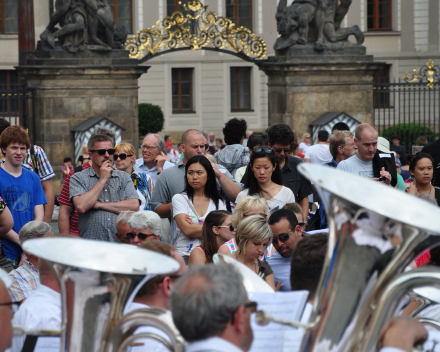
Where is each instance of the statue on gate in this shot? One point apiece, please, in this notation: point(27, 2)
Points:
point(314, 21)
point(83, 23)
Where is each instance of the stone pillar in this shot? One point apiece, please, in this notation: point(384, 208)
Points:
point(69, 89)
point(303, 88)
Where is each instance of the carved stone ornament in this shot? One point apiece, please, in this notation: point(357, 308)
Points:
point(315, 23)
point(83, 24)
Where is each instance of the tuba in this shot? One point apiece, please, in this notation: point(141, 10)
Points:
point(373, 236)
point(96, 280)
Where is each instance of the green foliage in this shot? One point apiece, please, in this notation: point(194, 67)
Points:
point(408, 133)
point(151, 118)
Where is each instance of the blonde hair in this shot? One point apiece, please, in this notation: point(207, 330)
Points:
point(338, 138)
point(305, 135)
point(84, 149)
point(126, 148)
point(253, 228)
point(248, 203)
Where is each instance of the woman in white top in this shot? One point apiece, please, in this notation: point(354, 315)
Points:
point(304, 144)
point(263, 177)
point(199, 198)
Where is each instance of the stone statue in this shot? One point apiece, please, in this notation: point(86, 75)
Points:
point(314, 21)
point(83, 24)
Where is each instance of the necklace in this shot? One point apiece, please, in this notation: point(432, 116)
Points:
point(256, 269)
point(429, 193)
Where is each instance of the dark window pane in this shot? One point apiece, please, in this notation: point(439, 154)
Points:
point(175, 74)
point(245, 23)
point(233, 87)
point(123, 2)
point(186, 103)
point(244, 87)
point(244, 11)
point(370, 9)
point(244, 101)
point(175, 103)
point(11, 26)
point(370, 22)
point(384, 9)
point(11, 11)
point(125, 24)
point(234, 102)
point(123, 12)
point(384, 22)
point(186, 88)
point(3, 77)
point(13, 78)
point(230, 12)
point(229, 2)
point(244, 74)
point(186, 74)
point(175, 88)
point(11, 2)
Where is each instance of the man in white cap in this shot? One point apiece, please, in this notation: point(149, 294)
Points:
point(6, 308)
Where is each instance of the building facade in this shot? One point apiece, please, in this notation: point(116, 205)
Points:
point(204, 89)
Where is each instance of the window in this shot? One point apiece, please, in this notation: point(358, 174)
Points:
point(382, 94)
point(8, 101)
point(122, 10)
point(182, 87)
point(240, 12)
point(379, 15)
point(241, 88)
point(8, 16)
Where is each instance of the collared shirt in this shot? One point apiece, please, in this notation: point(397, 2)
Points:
point(300, 186)
point(41, 310)
point(172, 181)
point(64, 198)
point(212, 344)
point(140, 167)
point(44, 169)
point(25, 280)
point(100, 224)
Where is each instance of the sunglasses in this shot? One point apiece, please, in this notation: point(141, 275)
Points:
point(14, 305)
point(279, 150)
point(283, 237)
point(231, 228)
point(263, 215)
point(122, 156)
point(140, 235)
point(267, 150)
point(103, 151)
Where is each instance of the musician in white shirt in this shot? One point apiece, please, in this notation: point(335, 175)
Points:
point(6, 306)
point(211, 309)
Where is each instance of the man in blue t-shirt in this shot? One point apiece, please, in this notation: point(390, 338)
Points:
point(20, 189)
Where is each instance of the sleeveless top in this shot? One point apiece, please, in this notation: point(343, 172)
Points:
point(198, 247)
point(233, 248)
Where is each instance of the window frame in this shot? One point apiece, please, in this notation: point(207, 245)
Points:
point(114, 8)
point(377, 16)
point(179, 94)
point(236, 18)
point(3, 17)
point(240, 109)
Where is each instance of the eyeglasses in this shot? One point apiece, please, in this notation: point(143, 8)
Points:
point(172, 277)
point(206, 146)
point(283, 237)
point(231, 228)
point(279, 150)
point(267, 150)
point(140, 235)
point(103, 151)
point(122, 156)
point(304, 223)
point(261, 214)
point(14, 306)
point(148, 147)
point(251, 305)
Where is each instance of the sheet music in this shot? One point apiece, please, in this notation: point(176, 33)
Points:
point(432, 343)
point(276, 337)
point(47, 344)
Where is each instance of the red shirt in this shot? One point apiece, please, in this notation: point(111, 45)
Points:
point(64, 198)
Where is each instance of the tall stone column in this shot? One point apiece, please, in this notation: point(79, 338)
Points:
point(303, 88)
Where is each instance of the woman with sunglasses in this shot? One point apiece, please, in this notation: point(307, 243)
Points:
point(144, 226)
point(216, 230)
point(253, 237)
point(263, 177)
point(199, 198)
point(125, 159)
point(249, 205)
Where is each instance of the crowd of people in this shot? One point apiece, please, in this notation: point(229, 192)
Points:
point(245, 199)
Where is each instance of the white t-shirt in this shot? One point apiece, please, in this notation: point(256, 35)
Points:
point(304, 147)
point(356, 166)
point(284, 196)
point(318, 154)
point(184, 244)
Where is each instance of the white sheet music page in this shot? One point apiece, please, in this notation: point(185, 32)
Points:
point(277, 337)
point(47, 344)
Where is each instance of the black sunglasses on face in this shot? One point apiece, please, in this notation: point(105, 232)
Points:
point(122, 156)
point(103, 151)
point(140, 235)
point(267, 150)
point(283, 237)
point(279, 150)
point(231, 228)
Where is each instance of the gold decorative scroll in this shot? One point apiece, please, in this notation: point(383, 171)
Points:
point(195, 29)
point(429, 73)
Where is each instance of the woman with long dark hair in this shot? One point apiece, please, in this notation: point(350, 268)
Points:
point(199, 198)
point(217, 229)
point(263, 177)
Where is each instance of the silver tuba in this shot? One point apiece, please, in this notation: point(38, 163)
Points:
point(96, 280)
point(375, 232)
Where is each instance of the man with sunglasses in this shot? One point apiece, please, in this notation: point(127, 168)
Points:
point(156, 293)
point(213, 291)
point(234, 155)
point(6, 331)
point(100, 193)
point(280, 139)
point(287, 233)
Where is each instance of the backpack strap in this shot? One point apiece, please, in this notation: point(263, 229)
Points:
point(34, 159)
point(77, 169)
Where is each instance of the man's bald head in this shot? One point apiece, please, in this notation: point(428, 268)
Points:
point(364, 127)
point(188, 133)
